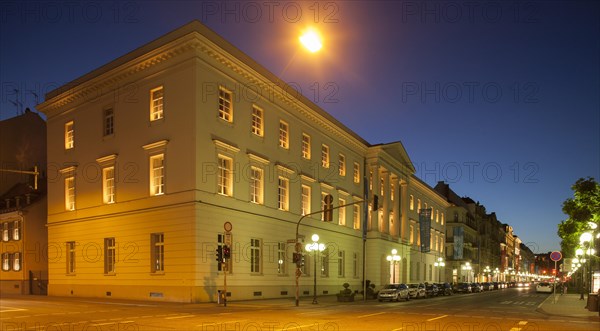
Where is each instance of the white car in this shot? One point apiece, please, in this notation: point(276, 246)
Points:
point(544, 287)
point(394, 292)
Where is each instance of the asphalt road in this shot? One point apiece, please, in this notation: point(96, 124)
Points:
point(509, 309)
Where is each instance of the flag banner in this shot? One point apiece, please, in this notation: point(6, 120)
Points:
point(425, 226)
point(458, 242)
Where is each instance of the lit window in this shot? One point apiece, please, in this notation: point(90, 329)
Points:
point(255, 255)
point(281, 258)
point(305, 199)
point(5, 261)
point(325, 156)
point(356, 173)
point(225, 105)
point(5, 232)
point(109, 255)
point(256, 185)
point(16, 230)
point(411, 235)
point(341, 263)
point(356, 216)
point(156, 103)
point(419, 205)
point(157, 174)
point(437, 216)
point(71, 257)
point(282, 193)
point(382, 186)
point(69, 135)
point(257, 121)
point(225, 176)
point(342, 212)
point(70, 193)
point(411, 202)
point(442, 219)
point(109, 122)
point(323, 196)
point(17, 261)
point(283, 134)
point(108, 184)
point(157, 254)
point(392, 189)
point(342, 164)
point(306, 146)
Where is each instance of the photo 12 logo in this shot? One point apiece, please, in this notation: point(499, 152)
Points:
point(471, 92)
point(227, 12)
point(474, 171)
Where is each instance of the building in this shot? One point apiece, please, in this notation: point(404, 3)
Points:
point(211, 151)
point(24, 239)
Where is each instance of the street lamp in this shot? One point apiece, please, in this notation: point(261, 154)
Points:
point(393, 259)
point(439, 263)
point(586, 239)
point(487, 271)
point(315, 247)
point(467, 267)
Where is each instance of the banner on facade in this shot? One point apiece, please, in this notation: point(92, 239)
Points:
point(425, 229)
point(458, 242)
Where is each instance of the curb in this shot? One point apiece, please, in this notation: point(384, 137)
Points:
point(541, 310)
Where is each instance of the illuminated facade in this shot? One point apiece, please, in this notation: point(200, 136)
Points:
point(156, 150)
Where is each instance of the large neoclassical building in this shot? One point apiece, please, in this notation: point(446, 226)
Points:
point(141, 185)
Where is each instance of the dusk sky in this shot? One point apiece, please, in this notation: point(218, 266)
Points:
point(499, 99)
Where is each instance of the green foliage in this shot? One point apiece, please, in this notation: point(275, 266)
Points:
point(584, 207)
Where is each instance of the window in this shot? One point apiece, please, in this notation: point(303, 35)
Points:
point(411, 202)
point(342, 164)
point(255, 255)
point(411, 234)
point(355, 265)
point(109, 255)
point(257, 121)
point(342, 212)
point(157, 253)
point(419, 205)
point(225, 176)
point(356, 216)
point(5, 232)
point(356, 173)
point(16, 230)
point(305, 199)
point(323, 195)
point(5, 261)
point(392, 189)
point(382, 186)
point(306, 146)
point(108, 184)
point(325, 262)
point(284, 136)
point(109, 122)
point(69, 135)
point(225, 105)
point(156, 104)
point(341, 262)
point(70, 257)
point(17, 261)
point(70, 193)
point(281, 258)
point(437, 216)
point(325, 156)
point(221, 243)
point(371, 180)
point(282, 193)
point(157, 174)
point(442, 219)
point(256, 185)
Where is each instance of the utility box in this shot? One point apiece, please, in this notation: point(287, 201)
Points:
point(592, 303)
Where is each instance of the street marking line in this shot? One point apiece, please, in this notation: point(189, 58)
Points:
point(398, 329)
point(436, 318)
point(11, 309)
point(522, 322)
point(368, 315)
point(177, 317)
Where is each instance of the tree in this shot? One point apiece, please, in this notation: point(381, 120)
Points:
point(584, 207)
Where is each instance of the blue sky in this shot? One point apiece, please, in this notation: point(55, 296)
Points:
point(500, 99)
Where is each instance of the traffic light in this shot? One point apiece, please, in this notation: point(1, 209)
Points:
point(328, 208)
point(226, 252)
point(298, 258)
point(219, 254)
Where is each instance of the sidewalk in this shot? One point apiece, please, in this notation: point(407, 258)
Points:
point(567, 305)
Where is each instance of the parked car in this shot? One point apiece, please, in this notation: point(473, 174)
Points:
point(393, 292)
point(445, 289)
point(544, 287)
point(476, 288)
point(496, 286)
point(432, 290)
point(417, 290)
point(463, 288)
point(486, 286)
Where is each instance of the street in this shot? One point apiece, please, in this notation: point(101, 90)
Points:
point(510, 309)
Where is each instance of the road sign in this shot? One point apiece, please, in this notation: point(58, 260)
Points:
point(555, 256)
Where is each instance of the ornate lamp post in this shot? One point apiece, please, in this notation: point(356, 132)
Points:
point(467, 267)
point(315, 247)
point(393, 259)
point(487, 272)
point(439, 264)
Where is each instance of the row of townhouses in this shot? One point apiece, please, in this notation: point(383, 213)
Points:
point(208, 149)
